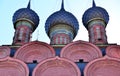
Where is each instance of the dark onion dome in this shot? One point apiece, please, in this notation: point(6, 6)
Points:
point(95, 13)
point(26, 14)
point(62, 17)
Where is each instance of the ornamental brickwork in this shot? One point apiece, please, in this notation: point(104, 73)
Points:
point(62, 56)
point(22, 35)
point(97, 33)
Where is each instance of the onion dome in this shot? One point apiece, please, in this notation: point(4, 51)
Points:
point(26, 14)
point(95, 13)
point(62, 17)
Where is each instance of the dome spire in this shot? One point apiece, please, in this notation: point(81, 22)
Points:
point(62, 5)
point(94, 5)
point(29, 4)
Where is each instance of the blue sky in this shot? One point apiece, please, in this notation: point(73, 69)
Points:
point(44, 8)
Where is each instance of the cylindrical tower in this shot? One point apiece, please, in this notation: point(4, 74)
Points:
point(95, 20)
point(25, 22)
point(61, 27)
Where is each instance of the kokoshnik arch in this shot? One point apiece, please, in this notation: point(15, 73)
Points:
point(62, 56)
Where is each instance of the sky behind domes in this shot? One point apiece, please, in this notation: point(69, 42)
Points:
point(44, 8)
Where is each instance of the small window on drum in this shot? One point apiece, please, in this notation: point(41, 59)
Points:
point(19, 40)
point(99, 39)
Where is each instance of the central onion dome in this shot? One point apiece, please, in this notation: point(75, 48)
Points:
point(26, 14)
point(94, 13)
point(62, 17)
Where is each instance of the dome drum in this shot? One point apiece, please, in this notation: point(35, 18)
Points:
point(26, 22)
point(96, 22)
point(61, 28)
point(61, 34)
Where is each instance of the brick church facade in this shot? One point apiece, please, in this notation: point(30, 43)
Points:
point(62, 56)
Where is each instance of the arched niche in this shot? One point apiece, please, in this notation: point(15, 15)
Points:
point(56, 67)
point(105, 66)
point(34, 52)
point(113, 51)
point(13, 67)
point(81, 51)
point(4, 51)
